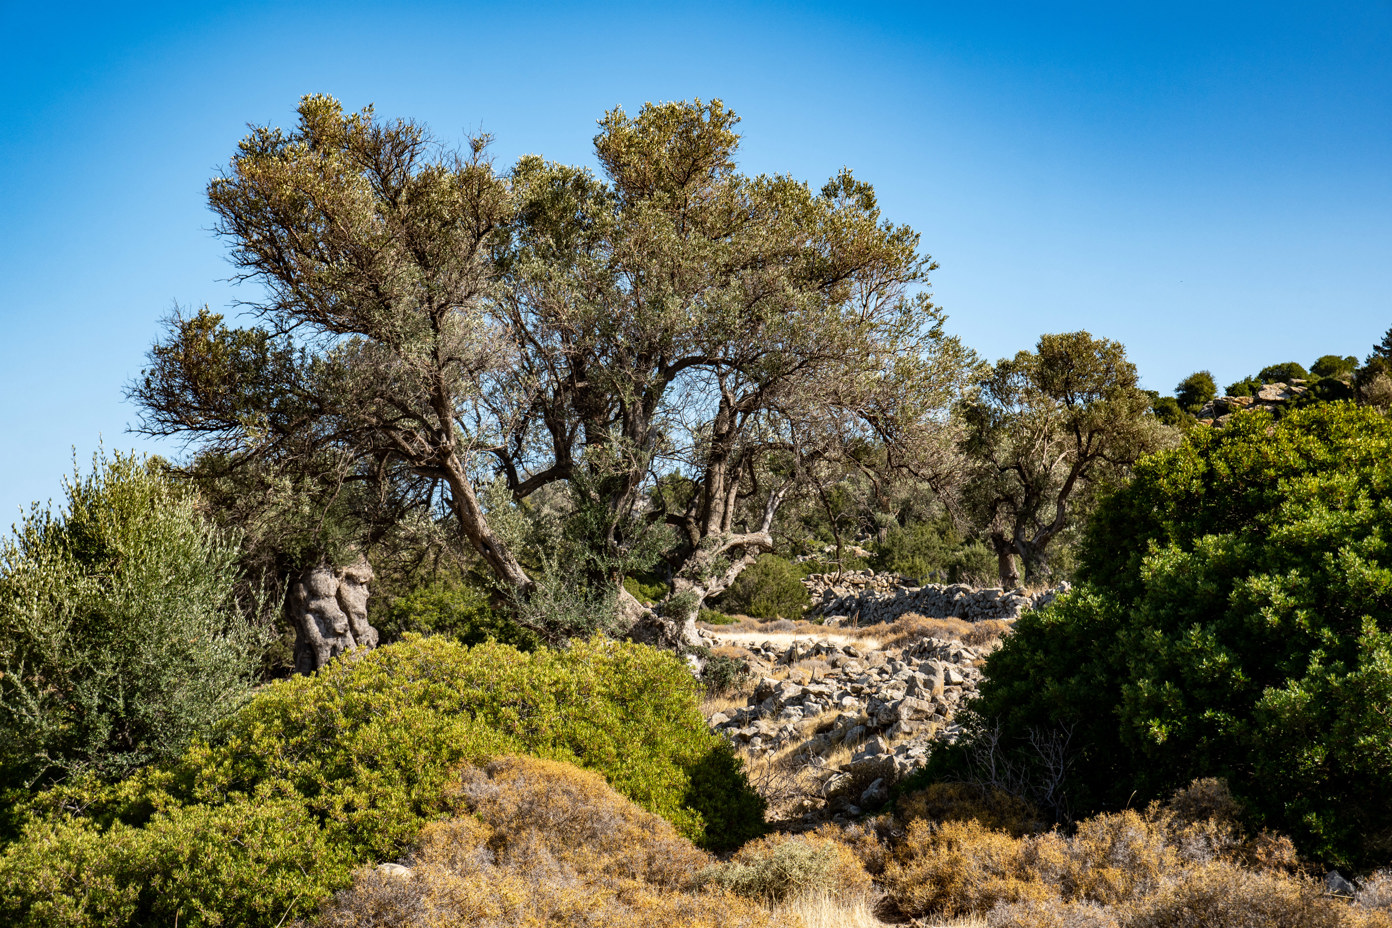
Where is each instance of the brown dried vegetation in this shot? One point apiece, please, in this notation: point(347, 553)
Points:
point(1183, 864)
point(541, 843)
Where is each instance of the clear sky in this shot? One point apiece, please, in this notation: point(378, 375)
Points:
point(1208, 183)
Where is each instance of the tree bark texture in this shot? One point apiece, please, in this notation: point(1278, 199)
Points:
point(329, 608)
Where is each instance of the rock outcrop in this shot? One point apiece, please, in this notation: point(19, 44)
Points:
point(1270, 397)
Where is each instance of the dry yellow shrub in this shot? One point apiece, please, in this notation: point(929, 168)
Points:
point(993, 808)
point(959, 867)
point(911, 628)
point(544, 844)
point(866, 839)
point(1055, 913)
point(1224, 895)
point(779, 868)
point(1111, 858)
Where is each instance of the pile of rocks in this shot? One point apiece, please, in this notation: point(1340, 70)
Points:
point(866, 598)
point(887, 708)
point(1269, 397)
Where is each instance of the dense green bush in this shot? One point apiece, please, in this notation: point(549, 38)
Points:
point(1195, 390)
point(121, 637)
point(1234, 620)
point(770, 588)
point(1247, 386)
point(647, 588)
point(1168, 411)
point(317, 774)
point(935, 552)
point(1284, 372)
point(1333, 365)
point(453, 609)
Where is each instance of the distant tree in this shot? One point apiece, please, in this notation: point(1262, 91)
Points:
point(1383, 349)
point(1168, 410)
point(1332, 365)
point(1373, 380)
point(1195, 390)
point(1039, 430)
point(1247, 386)
point(1283, 373)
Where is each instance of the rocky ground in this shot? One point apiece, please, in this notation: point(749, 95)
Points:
point(827, 724)
point(847, 719)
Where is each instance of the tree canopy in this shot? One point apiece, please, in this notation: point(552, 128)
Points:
point(1043, 429)
point(428, 317)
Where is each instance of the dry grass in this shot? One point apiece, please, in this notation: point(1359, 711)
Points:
point(1184, 865)
point(544, 845)
point(824, 911)
point(911, 628)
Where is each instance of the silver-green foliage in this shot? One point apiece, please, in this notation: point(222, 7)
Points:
point(120, 633)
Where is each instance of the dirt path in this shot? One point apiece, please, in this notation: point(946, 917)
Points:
point(787, 638)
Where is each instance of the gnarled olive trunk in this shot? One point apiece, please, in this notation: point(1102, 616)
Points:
point(329, 608)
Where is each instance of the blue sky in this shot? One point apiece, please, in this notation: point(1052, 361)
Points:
point(1210, 184)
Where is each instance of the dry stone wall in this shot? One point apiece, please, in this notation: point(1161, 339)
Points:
point(867, 598)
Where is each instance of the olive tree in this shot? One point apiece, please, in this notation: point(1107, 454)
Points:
point(736, 333)
point(374, 251)
point(427, 314)
point(1044, 429)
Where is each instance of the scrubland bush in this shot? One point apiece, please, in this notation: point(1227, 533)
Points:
point(345, 766)
point(779, 868)
point(935, 552)
point(725, 673)
point(961, 802)
point(1167, 866)
point(455, 610)
point(1232, 621)
point(769, 588)
point(542, 843)
point(121, 636)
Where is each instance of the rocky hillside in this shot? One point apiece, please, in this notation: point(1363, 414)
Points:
point(851, 718)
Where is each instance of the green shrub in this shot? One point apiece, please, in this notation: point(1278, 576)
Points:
point(770, 588)
point(712, 617)
point(453, 609)
point(1283, 373)
point(353, 760)
point(1325, 390)
point(723, 674)
point(1234, 620)
point(1247, 386)
point(1195, 390)
point(647, 589)
point(935, 552)
point(780, 868)
point(1333, 365)
point(1168, 411)
point(121, 637)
